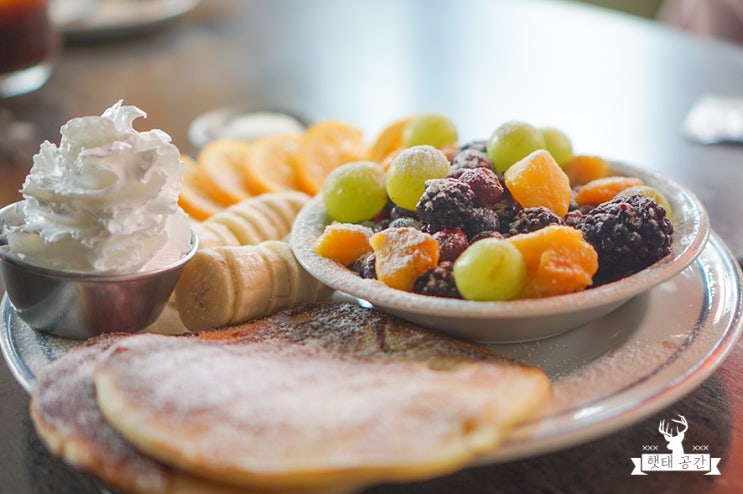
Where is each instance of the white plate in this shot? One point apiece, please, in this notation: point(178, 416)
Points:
point(606, 375)
point(97, 19)
point(515, 320)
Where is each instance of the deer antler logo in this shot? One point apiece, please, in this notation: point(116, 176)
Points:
point(674, 440)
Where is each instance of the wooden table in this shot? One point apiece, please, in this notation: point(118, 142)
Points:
point(620, 86)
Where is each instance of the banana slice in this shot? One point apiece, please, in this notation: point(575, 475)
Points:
point(255, 282)
point(213, 233)
point(205, 293)
point(261, 221)
point(268, 216)
point(232, 284)
point(305, 288)
point(286, 205)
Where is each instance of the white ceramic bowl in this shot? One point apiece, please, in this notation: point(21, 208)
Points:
point(516, 320)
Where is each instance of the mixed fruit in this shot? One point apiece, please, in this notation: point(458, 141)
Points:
point(517, 215)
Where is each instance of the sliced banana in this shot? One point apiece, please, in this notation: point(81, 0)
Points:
point(265, 217)
point(232, 284)
point(214, 233)
point(305, 288)
point(205, 293)
point(255, 283)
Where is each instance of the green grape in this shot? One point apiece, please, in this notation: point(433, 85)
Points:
point(408, 172)
point(434, 129)
point(558, 144)
point(355, 192)
point(490, 269)
point(511, 142)
point(652, 193)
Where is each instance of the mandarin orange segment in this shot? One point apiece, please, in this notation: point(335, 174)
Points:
point(538, 180)
point(604, 189)
point(402, 255)
point(558, 261)
point(192, 198)
point(582, 169)
point(325, 146)
point(271, 164)
point(220, 170)
point(389, 140)
point(344, 242)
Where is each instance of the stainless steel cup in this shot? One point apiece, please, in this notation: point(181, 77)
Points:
point(81, 305)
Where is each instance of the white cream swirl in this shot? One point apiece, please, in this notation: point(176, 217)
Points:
point(105, 200)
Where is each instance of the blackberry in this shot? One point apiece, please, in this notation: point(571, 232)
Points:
point(486, 234)
point(400, 212)
point(483, 220)
point(439, 282)
point(405, 221)
point(476, 145)
point(381, 225)
point(532, 219)
point(506, 209)
point(468, 159)
point(364, 266)
point(574, 218)
point(629, 233)
point(452, 242)
point(446, 202)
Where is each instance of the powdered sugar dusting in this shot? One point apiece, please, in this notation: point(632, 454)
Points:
point(351, 394)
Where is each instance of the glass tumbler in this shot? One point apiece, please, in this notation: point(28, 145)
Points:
point(28, 45)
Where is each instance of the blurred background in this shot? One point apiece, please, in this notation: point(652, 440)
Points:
point(643, 8)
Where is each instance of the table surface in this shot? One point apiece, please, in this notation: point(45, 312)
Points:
point(620, 86)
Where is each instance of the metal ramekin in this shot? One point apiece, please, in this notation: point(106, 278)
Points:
point(81, 305)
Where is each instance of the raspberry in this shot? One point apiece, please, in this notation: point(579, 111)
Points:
point(452, 242)
point(384, 214)
point(468, 159)
point(532, 219)
point(484, 183)
point(446, 202)
point(629, 233)
point(439, 282)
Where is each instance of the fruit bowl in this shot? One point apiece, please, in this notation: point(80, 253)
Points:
point(515, 320)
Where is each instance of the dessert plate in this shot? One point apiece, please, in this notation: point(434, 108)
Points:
point(514, 320)
point(682, 329)
point(98, 19)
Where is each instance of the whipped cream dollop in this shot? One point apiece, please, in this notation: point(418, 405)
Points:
point(105, 200)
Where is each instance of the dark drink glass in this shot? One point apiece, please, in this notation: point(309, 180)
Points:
point(28, 45)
